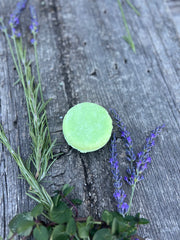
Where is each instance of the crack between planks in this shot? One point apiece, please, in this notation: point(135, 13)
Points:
point(87, 184)
point(63, 46)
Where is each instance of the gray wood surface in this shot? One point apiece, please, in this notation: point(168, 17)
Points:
point(83, 58)
point(174, 7)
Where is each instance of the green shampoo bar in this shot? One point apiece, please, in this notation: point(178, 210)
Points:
point(87, 127)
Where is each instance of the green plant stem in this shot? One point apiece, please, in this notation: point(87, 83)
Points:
point(19, 63)
point(37, 126)
point(21, 76)
point(37, 66)
point(132, 6)
point(11, 50)
point(131, 198)
point(127, 38)
point(36, 189)
point(76, 236)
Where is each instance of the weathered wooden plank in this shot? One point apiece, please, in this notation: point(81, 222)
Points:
point(174, 7)
point(83, 58)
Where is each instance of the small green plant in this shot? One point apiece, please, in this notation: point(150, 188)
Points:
point(128, 37)
point(63, 222)
point(56, 217)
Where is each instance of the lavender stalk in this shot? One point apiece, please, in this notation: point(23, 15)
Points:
point(119, 193)
point(14, 17)
point(142, 161)
point(137, 164)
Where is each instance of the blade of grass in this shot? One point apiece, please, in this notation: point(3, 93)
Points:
point(132, 6)
point(127, 38)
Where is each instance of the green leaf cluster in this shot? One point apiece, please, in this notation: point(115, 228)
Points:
point(62, 222)
point(118, 227)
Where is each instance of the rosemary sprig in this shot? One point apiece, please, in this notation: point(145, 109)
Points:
point(38, 126)
point(38, 129)
point(36, 191)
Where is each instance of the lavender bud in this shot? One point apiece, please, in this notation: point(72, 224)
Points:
point(129, 139)
point(126, 179)
point(14, 17)
point(143, 167)
point(148, 160)
point(34, 22)
point(32, 41)
point(140, 178)
point(138, 164)
point(128, 171)
point(123, 208)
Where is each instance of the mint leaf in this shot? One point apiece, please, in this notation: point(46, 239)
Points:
point(66, 190)
point(119, 226)
point(37, 210)
point(41, 233)
point(89, 223)
point(103, 234)
point(61, 213)
point(107, 217)
point(71, 227)
point(82, 230)
point(22, 224)
point(58, 233)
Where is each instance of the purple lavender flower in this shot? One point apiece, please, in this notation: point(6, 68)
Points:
point(143, 159)
point(144, 155)
point(119, 193)
point(14, 17)
point(138, 164)
point(123, 209)
point(34, 22)
point(126, 137)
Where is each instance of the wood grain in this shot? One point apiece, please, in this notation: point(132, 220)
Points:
point(84, 58)
point(174, 10)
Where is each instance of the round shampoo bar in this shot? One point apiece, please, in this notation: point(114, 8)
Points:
point(87, 127)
